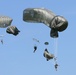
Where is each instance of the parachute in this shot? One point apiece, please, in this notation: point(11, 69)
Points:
point(42, 15)
point(12, 30)
point(55, 22)
point(5, 21)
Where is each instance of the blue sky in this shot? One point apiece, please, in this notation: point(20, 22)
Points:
point(16, 54)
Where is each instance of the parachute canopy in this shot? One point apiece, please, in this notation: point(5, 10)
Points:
point(42, 15)
point(12, 30)
point(5, 21)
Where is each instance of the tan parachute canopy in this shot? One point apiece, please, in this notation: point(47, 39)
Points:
point(5, 21)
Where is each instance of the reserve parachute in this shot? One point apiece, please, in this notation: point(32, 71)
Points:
point(48, 55)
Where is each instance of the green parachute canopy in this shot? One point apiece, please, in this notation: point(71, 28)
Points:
point(42, 15)
point(12, 30)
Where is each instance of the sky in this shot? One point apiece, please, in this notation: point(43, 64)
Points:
point(16, 54)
